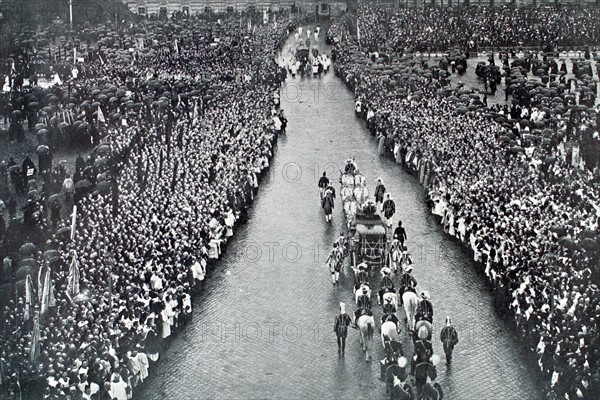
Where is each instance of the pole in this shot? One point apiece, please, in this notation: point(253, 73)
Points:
point(71, 13)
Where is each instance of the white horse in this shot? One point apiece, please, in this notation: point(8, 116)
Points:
point(389, 332)
point(361, 194)
point(363, 290)
point(345, 193)
point(366, 326)
point(395, 254)
point(410, 302)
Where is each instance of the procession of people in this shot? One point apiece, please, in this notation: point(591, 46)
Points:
point(523, 203)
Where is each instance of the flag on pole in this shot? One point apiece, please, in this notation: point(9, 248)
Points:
point(357, 31)
point(176, 47)
point(249, 26)
point(74, 216)
point(73, 278)
point(101, 116)
point(47, 293)
point(29, 300)
point(35, 340)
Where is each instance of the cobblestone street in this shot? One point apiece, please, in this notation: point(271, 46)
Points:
point(263, 328)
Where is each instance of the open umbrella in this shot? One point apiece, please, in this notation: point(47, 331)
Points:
point(589, 245)
point(52, 256)
point(55, 198)
point(103, 187)
point(83, 184)
point(568, 243)
point(43, 149)
point(65, 230)
point(25, 270)
point(516, 149)
point(28, 248)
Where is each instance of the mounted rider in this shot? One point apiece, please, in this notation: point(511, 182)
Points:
point(424, 309)
point(323, 184)
point(389, 314)
point(350, 167)
point(407, 283)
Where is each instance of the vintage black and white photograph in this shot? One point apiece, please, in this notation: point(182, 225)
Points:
point(300, 200)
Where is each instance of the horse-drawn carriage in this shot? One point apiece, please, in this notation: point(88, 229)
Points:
point(302, 53)
point(369, 243)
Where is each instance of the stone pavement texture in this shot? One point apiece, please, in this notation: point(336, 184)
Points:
point(263, 328)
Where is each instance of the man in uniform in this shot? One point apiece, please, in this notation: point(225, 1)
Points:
point(342, 320)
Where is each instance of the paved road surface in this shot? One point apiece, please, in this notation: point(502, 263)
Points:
point(263, 328)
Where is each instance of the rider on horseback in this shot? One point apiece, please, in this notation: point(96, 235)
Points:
point(425, 309)
point(407, 283)
point(323, 183)
point(389, 314)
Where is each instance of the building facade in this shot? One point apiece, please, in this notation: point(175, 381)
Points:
point(168, 7)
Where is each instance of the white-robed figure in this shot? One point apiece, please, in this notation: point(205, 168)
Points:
point(361, 194)
point(300, 30)
point(350, 207)
point(308, 33)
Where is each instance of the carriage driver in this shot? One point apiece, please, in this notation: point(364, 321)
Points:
point(424, 309)
point(407, 283)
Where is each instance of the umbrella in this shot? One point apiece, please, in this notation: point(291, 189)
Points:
point(83, 184)
point(24, 271)
point(64, 230)
point(27, 262)
point(103, 187)
point(43, 149)
point(52, 256)
point(28, 248)
point(55, 198)
point(589, 244)
point(559, 230)
point(568, 243)
point(101, 162)
point(587, 233)
point(516, 149)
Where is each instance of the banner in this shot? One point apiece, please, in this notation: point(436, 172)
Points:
point(48, 299)
point(35, 340)
point(29, 300)
point(73, 278)
point(101, 116)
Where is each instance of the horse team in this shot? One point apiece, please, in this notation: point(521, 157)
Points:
point(418, 312)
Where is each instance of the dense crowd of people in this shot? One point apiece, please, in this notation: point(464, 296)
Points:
point(183, 144)
point(440, 28)
point(520, 201)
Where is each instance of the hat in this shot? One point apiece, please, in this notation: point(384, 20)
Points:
point(379, 180)
point(342, 307)
point(402, 362)
point(425, 294)
point(448, 321)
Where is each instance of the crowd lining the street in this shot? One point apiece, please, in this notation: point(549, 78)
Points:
point(525, 207)
point(183, 145)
